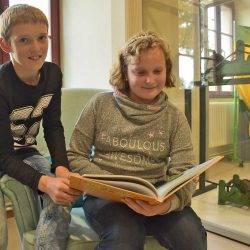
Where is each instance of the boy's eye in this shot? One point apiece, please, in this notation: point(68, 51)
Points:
point(24, 40)
point(43, 38)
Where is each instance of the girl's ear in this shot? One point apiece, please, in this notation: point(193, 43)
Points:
point(5, 46)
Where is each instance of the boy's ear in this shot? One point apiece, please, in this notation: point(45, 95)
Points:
point(5, 46)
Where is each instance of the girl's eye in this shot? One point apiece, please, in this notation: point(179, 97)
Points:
point(158, 71)
point(140, 73)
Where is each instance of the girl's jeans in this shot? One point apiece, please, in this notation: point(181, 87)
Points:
point(53, 225)
point(119, 227)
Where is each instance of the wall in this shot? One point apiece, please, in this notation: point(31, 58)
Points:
point(242, 12)
point(92, 31)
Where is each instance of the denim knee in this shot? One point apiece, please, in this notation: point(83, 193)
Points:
point(39, 163)
point(120, 236)
point(117, 225)
point(177, 230)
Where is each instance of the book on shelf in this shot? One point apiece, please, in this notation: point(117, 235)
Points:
point(116, 187)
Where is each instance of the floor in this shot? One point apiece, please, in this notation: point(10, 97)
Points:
point(228, 220)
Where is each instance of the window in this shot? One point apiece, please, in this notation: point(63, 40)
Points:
point(51, 10)
point(188, 35)
point(219, 20)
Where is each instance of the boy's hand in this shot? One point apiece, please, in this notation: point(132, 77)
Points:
point(63, 172)
point(58, 189)
point(144, 208)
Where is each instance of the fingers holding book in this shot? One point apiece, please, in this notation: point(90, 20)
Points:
point(147, 209)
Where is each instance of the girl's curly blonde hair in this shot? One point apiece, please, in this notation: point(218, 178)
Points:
point(133, 48)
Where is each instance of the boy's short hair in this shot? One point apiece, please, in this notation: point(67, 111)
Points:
point(142, 41)
point(18, 14)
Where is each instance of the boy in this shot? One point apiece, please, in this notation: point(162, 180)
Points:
point(30, 91)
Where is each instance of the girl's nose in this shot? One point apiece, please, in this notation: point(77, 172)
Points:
point(149, 79)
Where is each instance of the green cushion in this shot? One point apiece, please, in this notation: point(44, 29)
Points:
point(81, 235)
point(73, 101)
point(3, 223)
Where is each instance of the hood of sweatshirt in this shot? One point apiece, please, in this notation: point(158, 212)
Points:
point(141, 113)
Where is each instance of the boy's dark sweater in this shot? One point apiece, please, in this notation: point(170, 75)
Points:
point(22, 107)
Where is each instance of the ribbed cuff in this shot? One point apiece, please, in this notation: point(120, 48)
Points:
point(174, 204)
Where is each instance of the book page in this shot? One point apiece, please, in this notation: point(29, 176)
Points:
point(95, 186)
point(105, 191)
point(131, 186)
point(188, 175)
point(125, 179)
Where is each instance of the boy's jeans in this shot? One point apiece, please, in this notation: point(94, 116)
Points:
point(53, 225)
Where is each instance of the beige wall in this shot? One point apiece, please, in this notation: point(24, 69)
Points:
point(242, 8)
point(92, 31)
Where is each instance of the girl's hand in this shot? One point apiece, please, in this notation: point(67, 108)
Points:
point(144, 208)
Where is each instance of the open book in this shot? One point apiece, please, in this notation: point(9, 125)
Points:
point(116, 187)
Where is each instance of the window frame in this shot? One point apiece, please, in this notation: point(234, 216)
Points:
point(55, 31)
point(219, 93)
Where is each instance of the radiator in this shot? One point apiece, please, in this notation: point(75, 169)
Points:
point(221, 123)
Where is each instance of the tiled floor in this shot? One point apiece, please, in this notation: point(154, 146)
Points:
point(226, 168)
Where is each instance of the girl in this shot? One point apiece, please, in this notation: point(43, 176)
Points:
point(136, 131)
